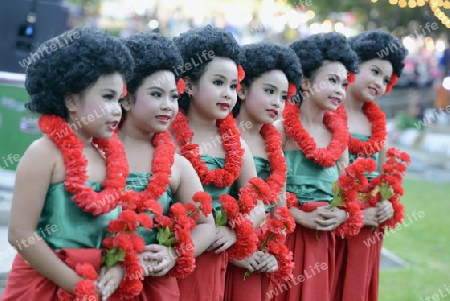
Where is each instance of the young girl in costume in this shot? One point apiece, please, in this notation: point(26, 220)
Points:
point(270, 70)
point(357, 265)
point(70, 180)
point(156, 171)
point(315, 142)
point(207, 135)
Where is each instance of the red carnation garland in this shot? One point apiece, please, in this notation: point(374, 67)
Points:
point(325, 157)
point(174, 232)
point(277, 178)
point(379, 133)
point(346, 189)
point(231, 143)
point(272, 240)
point(387, 186)
point(95, 203)
point(124, 244)
point(247, 240)
point(85, 289)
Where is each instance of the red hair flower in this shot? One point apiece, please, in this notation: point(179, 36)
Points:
point(291, 92)
point(392, 83)
point(124, 90)
point(241, 76)
point(180, 86)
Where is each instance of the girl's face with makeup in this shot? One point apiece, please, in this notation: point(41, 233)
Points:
point(327, 87)
point(214, 94)
point(96, 111)
point(264, 101)
point(372, 80)
point(156, 103)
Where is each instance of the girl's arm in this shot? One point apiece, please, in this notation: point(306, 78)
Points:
point(281, 201)
point(343, 161)
point(248, 171)
point(188, 184)
point(33, 177)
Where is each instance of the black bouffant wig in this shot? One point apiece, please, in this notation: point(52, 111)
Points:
point(151, 53)
point(263, 57)
point(380, 45)
point(195, 44)
point(83, 55)
point(317, 48)
point(331, 46)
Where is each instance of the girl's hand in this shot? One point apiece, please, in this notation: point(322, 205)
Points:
point(249, 263)
point(306, 219)
point(384, 211)
point(109, 280)
point(225, 238)
point(370, 217)
point(160, 259)
point(267, 263)
point(330, 219)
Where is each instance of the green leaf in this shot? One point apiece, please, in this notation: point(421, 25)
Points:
point(221, 217)
point(165, 237)
point(113, 256)
point(385, 191)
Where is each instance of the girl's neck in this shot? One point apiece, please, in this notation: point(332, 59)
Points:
point(85, 139)
point(200, 123)
point(244, 119)
point(310, 114)
point(129, 132)
point(352, 105)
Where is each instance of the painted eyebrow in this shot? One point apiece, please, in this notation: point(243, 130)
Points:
point(223, 77)
point(109, 91)
point(337, 76)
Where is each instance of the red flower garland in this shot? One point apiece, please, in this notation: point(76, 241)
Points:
point(388, 185)
point(180, 224)
point(277, 162)
point(231, 143)
point(124, 241)
point(57, 129)
point(323, 156)
point(84, 289)
point(247, 240)
point(379, 133)
point(350, 182)
point(272, 240)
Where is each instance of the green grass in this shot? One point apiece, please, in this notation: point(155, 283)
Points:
point(424, 244)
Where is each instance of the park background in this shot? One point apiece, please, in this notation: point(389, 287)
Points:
point(416, 258)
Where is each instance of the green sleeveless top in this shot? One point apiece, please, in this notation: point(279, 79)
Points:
point(262, 171)
point(376, 156)
point(309, 181)
point(262, 167)
point(63, 224)
point(138, 181)
point(214, 191)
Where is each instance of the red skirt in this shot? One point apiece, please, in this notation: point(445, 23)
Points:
point(358, 266)
point(164, 288)
point(207, 282)
point(27, 284)
point(314, 263)
point(237, 289)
